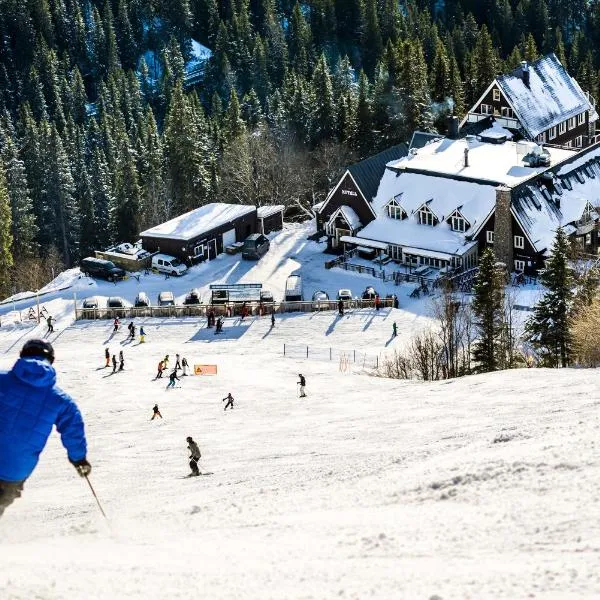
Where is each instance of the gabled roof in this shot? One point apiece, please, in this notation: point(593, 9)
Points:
point(551, 97)
point(348, 214)
point(368, 173)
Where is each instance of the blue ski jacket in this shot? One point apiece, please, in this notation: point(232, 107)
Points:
point(30, 405)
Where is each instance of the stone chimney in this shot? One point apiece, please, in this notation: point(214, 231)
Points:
point(525, 72)
point(466, 157)
point(453, 127)
point(503, 243)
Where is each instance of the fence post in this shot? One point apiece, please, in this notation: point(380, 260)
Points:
point(306, 351)
point(284, 349)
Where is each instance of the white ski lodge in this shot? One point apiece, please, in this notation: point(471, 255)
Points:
point(447, 199)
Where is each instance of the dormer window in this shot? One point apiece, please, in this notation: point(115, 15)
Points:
point(458, 222)
point(426, 217)
point(394, 210)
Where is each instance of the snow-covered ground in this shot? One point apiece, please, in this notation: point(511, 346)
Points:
point(484, 487)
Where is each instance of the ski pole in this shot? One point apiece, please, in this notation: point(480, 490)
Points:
point(98, 501)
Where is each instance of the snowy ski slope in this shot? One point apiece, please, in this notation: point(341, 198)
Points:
point(484, 487)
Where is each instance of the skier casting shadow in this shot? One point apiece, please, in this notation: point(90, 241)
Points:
point(194, 457)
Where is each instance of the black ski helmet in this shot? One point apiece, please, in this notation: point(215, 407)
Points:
point(189, 439)
point(38, 349)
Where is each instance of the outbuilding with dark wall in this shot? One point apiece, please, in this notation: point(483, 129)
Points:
point(270, 218)
point(202, 233)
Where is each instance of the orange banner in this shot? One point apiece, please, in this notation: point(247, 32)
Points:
point(205, 369)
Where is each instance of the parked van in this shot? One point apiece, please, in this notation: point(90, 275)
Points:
point(166, 299)
point(168, 264)
point(98, 267)
point(255, 246)
point(115, 302)
point(293, 289)
point(141, 300)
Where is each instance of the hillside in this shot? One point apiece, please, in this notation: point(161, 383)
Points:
point(483, 487)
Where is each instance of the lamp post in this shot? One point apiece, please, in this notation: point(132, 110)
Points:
point(37, 301)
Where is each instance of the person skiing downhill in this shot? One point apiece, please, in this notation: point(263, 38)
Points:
point(132, 332)
point(272, 319)
point(155, 412)
point(142, 334)
point(121, 360)
point(161, 367)
point(129, 328)
point(229, 399)
point(114, 363)
point(194, 456)
point(116, 325)
point(177, 362)
point(31, 404)
point(166, 361)
point(172, 378)
point(302, 384)
point(50, 326)
point(107, 356)
point(341, 307)
point(394, 329)
point(184, 366)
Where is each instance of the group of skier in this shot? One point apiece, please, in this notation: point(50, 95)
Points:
point(120, 362)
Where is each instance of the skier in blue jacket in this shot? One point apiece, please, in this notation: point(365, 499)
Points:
point(30, 405)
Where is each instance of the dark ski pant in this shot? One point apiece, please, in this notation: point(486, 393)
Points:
point(194, 466)
point(229, 403)
point(9, 492)
point(156, 414)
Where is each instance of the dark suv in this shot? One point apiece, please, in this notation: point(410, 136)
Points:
point(98, 267)
point(192, 298)
point(255, 246)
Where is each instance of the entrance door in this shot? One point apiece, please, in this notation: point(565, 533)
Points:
point(212, 249)
point(338, 234)
point(229, 238)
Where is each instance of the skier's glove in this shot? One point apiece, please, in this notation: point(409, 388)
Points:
point(82, 466)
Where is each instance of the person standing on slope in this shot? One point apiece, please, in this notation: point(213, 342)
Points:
point(161, 367)
point(184, 366)
point(172, 378)
point(107, 356)
point(121, 360)
point(341, 307)
point(142, 334)
point(116, 325)
point(114, 363)
point(177, 362)
point(31, 405)
point(229, 399)
point(194, 456)
point(302, 384)
point(272, 319)
point(50, 326)
point(394, 329)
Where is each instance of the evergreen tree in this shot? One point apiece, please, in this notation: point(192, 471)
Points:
point(6, 238)
point(488, 310)
point(233, 122)
point(128, 198)
point(547, 330)
point(323, 122)
point(372, 42)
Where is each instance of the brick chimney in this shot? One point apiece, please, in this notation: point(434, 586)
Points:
point(525, 72)
point(503, 243)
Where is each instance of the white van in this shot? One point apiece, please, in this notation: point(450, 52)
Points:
point(293, 289)
point(168, 264)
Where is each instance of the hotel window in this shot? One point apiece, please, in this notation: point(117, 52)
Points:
point(588, 238)
point(395, 252)
point(541, 138)
point(486, 109)
point(519, 241)
point(572, 122)
point(562, 127)
point(579, 141)
point(426, 217)
point(581, 119)
point(395, 211)
point(519, 265)
point(552, 133)
point(496, 95)
point(458, 224)
point(507, 112)
point(489, 236)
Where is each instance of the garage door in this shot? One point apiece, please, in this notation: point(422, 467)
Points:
point(229, 238)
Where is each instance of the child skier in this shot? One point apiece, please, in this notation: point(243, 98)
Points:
point(142, 334)
point(229, 399)
point(114, 363)
point(161, 367)
point(132, 332)
point(194, 456)
point(116, 325)
point(155, 412)
point(121, 361)
point(172, 378)
point(184, 365)
point(166, 361)
point(394, 329)
point(107, 357)
point(177, 362)
point(302, 384)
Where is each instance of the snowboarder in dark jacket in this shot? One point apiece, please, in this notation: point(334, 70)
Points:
point(172, 378)
point(155, 412)
point(302, 384)
point(229, 399)
point(31, 405)
point(194, 456)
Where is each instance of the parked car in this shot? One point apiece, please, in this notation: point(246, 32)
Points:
point(293, 289)
point(104, 269)
point(369, 293)
point(115, 302)
point(166, 299)
point(193, 297)
point(141, 300)
point(344, 294)
point(266, 296)
point(255, 246)
point(91, 302)
point(168, 264)
point(320, 300)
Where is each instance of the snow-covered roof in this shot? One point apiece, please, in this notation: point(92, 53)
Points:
point(551, 97)
point(545, 204)
point(262, 212)
point(427, 253)
point(196, 222)
point(350, 239)
point(497, 163)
